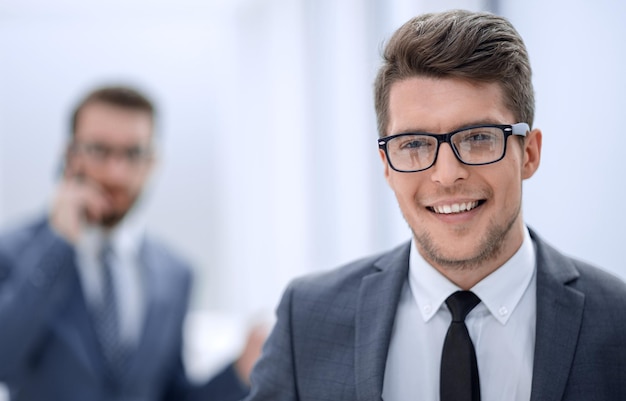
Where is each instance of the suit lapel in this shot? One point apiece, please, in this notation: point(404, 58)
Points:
point(148, 339)
point(158, 324)
point(559, 317)
point(378, 299)
point(75, 328)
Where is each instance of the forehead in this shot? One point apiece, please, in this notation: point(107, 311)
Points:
point(440, 105)
point(111, 124)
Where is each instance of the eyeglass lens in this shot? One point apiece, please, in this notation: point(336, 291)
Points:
point(100, 152)
point(413, 152)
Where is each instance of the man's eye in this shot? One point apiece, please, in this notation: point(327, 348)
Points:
point(480, 137)
point(98, 151)
point(415, 143)
point(134, 154)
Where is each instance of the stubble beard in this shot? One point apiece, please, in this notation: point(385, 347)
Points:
point(111, 220)
point(115, 216)
point(489, 249)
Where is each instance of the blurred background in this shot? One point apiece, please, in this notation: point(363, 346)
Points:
point(269, 167)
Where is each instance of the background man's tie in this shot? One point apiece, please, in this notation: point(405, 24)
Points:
point(459, 369)
point(107, 321)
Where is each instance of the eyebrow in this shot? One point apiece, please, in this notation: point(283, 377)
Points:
point(473, 123)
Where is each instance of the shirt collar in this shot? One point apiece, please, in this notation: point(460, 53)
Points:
point(125, 238)
point(500, 292)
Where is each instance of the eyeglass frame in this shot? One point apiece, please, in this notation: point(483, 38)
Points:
point(518, 129)
point(143, 153)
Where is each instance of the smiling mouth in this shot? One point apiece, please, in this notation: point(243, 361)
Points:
point(455, 207)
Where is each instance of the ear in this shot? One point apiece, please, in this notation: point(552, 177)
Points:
point(532, 153)
point(386, 168)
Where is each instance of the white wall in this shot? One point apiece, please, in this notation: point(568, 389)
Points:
point(578, 54)
point(284, 87)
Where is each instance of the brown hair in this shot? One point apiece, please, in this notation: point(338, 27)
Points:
point(474, 46)
point(120, 96)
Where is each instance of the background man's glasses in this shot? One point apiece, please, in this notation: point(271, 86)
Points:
point(477, 145)
point(100, 153)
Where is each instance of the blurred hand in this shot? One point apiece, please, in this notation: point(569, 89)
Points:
point(77, 201)
point(251, 351)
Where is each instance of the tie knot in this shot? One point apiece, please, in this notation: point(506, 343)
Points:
point(461, 303)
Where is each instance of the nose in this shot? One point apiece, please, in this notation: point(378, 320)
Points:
point(448, 169)
point(117, 170)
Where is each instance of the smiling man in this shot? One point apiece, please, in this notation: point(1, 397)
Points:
point(476, 306)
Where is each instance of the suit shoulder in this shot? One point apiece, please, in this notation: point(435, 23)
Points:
point(17, 237)
point(344, 277)
point(599, 283)
point(162, 248)
point(160, 252)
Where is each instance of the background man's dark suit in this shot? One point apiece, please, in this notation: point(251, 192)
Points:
point(334, 329)
point(47, 339)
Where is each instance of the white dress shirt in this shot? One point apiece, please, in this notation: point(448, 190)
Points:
point(502, 328)
point(125, 240)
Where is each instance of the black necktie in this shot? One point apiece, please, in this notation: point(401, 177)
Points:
point(459, 370)
point(107, 320)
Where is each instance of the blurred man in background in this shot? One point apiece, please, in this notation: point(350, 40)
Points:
point(91, 307)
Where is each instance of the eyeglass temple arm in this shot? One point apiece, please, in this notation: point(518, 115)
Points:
point(520, 129)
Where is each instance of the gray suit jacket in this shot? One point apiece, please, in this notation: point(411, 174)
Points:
point(48, 348)
point(333, 330)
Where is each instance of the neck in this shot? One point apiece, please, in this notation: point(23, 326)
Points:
point(466, 279)
point(467, 273)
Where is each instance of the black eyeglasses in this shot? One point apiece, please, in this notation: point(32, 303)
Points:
point(476, 145)
point(99, 153)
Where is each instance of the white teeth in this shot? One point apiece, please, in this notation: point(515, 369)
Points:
point(455, 208)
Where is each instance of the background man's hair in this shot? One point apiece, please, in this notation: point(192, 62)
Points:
point(120, 96)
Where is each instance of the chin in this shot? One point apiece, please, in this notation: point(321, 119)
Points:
point(457, 261)
point(455, 254)
point(111, 220)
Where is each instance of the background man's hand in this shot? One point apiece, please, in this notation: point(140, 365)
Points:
point(76, 202)
point(251, 351)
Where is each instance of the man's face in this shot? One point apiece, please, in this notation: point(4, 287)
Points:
point(112, 152)
point(492, 230)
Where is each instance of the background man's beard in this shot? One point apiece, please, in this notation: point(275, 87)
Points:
point(115, 216)
point(488, 249)
point(111, 219)
point(108, 220)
